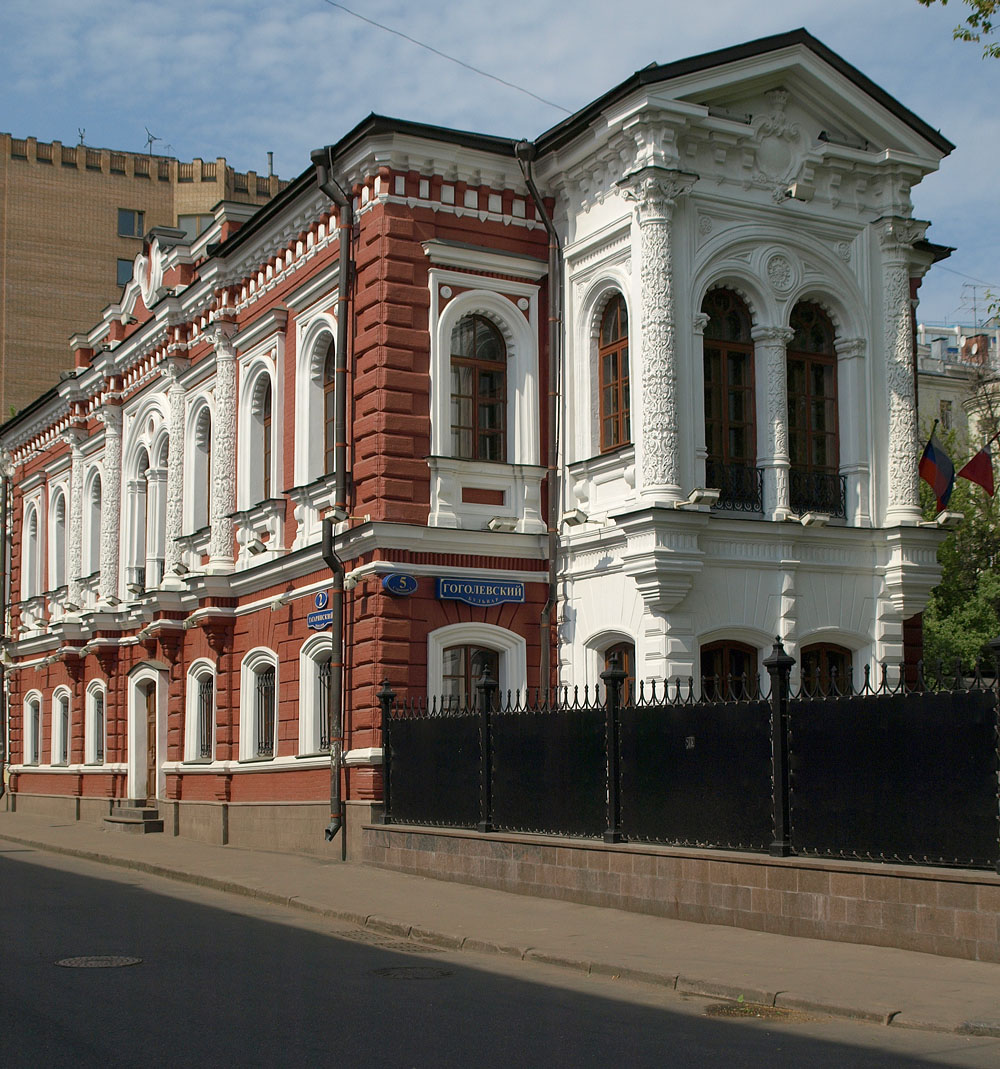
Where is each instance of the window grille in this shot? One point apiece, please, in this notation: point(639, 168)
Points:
point(64, 731)
point(35, 713)
point(99, 727)
point(264, 708)
point(206, 705)
point(323, 706)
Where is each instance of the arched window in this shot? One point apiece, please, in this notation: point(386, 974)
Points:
point(30, 580)
point(462, 669)
point(813, 436)
point(139, 506)
point(623, 653)
point(57, 541)
point(730, 407)
point(478, 390)
point(266, 439)
point(96, 724)
point(199, 740)
point(612, 356)
point(729, 671)
point(60, 727)
point(92, 528)
point(329, 410)
point(33, 729)
point(314, 695)
point(201, 502)
point(826, 669)
point(259, 705)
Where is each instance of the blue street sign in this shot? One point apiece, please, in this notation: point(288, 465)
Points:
point(480, 591)
point(319, 621)
point(400, 585)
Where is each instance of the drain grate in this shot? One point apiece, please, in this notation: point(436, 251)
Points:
point(413, 972)
point(98, 961)
point(387, 942)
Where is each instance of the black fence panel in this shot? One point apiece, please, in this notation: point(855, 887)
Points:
point(435, 770)
point(549, 771)
point(698, 774)
point(907, 777)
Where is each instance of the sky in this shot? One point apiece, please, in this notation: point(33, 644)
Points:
point(239, 78)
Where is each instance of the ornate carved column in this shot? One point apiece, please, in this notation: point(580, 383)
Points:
point(111, 501)
point(896, 236)
point(655, 191)
point(75, 437)
point(223, 447)
point(770, 347)
point(172, 370)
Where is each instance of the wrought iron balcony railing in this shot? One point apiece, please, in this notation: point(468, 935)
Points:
point(741, 486)
point(818, 491)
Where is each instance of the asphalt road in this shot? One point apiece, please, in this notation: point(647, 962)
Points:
point(225, 981)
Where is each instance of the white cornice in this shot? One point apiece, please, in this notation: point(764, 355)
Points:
point(476, 258)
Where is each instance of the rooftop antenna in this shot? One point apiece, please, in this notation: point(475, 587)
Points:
point(150, 138)
point(82, 132)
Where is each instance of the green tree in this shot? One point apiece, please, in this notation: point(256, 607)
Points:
point(963, 613)
point(978, 22)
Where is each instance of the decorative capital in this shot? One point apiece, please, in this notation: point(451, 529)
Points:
point(896, 235)
point(850, 347)
point(655, 191)
point(773, 335)
point(221, 333)
point(700, 321)
point(111, 416)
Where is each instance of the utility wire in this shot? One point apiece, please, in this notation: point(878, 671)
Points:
point(444, 55)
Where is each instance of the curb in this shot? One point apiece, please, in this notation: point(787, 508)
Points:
point(703, 988)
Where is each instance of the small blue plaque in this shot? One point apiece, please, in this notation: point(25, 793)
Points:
point(399, 584)
point(480, 591)
point(319, 621)
point(322, 599)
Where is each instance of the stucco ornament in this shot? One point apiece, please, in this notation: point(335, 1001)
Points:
point(780, 273)
point(896, 237)
point(772, 343)
point(172, 370)
point(654, 192)
point(149, 271)
point(111, 495)
point(220, 334)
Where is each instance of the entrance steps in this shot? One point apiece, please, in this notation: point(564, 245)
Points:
point(134, 816)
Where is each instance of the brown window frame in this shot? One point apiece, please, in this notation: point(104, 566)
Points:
point(468, 680)
point(479, 400)
point(723, 389)
point(723, 685)
point(804, 401)
point(822, 685)
point(613, 383)
point(626, 661)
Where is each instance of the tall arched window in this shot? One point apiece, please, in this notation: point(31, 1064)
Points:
point(730, 408)
point(96, 724)
point(32, 729)
point(92, 527)
point(478, 390)
point(329, 410)
point(60, 727)
point(729, 671)
point(612, 356)
point(813, 436)
point(57, 542)
point(139, 503)
point(266, 439)
point(202, 471)
point(30, 582)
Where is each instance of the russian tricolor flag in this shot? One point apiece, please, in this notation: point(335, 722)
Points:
point(937, 470)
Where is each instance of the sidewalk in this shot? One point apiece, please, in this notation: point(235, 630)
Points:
point(889, 986)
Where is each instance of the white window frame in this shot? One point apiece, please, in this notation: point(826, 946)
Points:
point(197, 510)
point(90, 558)
point(250, 439)
point(312, 654)
point(32, 544)
point(31, 733)
point(252, 664)
point(192, 713)
point(511, 648)
point(95, 688)
point(62, 732)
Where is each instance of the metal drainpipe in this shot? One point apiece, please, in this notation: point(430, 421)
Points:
point(323, 159)
point(525, 153)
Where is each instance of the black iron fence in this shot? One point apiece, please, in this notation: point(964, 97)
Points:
point(888, 772)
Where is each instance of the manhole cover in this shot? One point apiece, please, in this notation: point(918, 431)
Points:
point(413, 972)
point(98, 961)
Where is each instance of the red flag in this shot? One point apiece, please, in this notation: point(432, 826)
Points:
point(980, 470)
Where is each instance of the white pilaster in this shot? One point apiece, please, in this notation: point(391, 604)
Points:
point(172, 370)
point(74, 594)
point(770, 360)
point(111, 496)
point(223, 447)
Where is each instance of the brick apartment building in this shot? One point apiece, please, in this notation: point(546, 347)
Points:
point(644, 386)
point(72, 219)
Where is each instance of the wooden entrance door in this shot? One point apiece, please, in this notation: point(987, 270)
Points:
point(151, 742)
